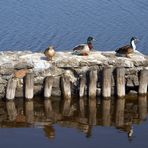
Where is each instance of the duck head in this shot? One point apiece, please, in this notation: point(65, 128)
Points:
point(89, 42)
point(133, 42)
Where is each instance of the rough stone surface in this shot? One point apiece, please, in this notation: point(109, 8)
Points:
point(23, 65)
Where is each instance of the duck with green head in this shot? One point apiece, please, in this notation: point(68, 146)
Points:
point(84, 49)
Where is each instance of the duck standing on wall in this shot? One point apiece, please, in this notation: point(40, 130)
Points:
point(49, 52)
point(128, 49)
point(84, 49)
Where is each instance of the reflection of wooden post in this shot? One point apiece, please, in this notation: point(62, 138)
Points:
point(11, 87)
point(11, 109)
point(48, 86)
point(66, 87)
point(106, 86)
point(29, 84)
point(120, 82)
point(93, 77)
point(48, 107)
point(29, 111)
point(120, 106)
point(142, 107)
point(82, 85)
point(92, 112)
point(143, 81)
point(82, 107)
point(106, 112)
point(66, 107)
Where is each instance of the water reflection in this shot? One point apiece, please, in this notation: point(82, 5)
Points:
point(82, 114)
point(29, 111)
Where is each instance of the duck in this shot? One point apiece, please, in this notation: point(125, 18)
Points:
point(84, 49)
point(50, 52)
point(128, 49)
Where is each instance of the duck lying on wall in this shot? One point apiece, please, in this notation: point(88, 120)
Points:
point(84, 49)
point(128, 49)
point(49, 52)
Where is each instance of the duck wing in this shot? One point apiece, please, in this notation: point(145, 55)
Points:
point(124, 50)
point(79, 47)
point(46, 51)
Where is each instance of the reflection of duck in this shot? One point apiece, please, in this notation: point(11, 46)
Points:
point(84, 49)
point(130, 132)
point(49, 52)
point(50, 131)
point(128, 49)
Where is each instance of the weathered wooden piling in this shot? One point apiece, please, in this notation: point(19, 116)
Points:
point(29, 86)
point(143, 81)
point(48, 86)
point(120, 81)
point(120, 106)
point(66, 87)
point(11, 88)
point(29, 111)
point(106, 83)
point(106, 120)
point(11, 110)
point(82, 85)
point(142, 101)
point(93, 78)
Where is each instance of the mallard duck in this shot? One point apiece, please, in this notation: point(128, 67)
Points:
point(49, 52)
point(128, 49)
point(84, 49)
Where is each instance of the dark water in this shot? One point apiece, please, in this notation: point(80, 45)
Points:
point(34, 24)
point(97, 123)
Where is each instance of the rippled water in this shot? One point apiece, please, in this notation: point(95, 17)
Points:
point(34, 24)
point(57, 123)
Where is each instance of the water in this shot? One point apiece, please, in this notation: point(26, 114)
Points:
point(104, 123)
point(35, 24)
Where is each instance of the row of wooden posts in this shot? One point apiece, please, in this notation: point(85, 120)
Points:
point(92, 84)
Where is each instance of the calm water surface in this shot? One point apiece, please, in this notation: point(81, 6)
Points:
point(34, 24)
point(99, 123)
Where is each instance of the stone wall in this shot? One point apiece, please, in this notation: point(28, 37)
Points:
point(18, 64)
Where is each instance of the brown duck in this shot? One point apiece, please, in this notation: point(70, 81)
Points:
point(128, 49)
point(49, 52)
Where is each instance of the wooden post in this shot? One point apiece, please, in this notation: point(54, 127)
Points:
point(106, 86)
point(11, 109)
point(66, 87)
point(29, 111)
point(82, 85)
point(93, 78)
point(106, 112)
point(48, 86)
point(142, 103)
point(29, 84)
point(11, 87)
point(120, 81)
point(120, 106)
point(143, 82)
